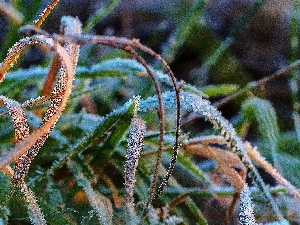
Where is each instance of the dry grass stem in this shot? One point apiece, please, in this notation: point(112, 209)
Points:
point(256, 157)
point(45, 13)
point(228, 162)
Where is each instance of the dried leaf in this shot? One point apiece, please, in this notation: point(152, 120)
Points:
point(69, 25)
point(56, 106)
point(227, 162)
point(34, 139)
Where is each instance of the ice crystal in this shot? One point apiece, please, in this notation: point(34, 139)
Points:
point(134, 148)
point(246, 215)
point(19, 119)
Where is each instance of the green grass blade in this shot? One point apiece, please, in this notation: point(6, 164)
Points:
point(184, 31)
point(219, 90)
point(100, 15)
point(99, 203)
point(102, 132)
point(263, 112)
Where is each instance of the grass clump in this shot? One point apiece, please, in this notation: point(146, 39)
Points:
point(137, 162)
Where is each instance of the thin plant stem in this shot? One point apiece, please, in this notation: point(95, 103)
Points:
point(255, 84)
point(161, 122)
point(104, 11)
point(45, 13)
point(184, 32)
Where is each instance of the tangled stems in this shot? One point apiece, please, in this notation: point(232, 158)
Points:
point(128, 45)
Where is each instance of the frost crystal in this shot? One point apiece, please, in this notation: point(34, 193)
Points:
point(246, 214)
point(134, 148)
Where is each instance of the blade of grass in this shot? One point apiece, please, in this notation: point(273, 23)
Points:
point(100, 14)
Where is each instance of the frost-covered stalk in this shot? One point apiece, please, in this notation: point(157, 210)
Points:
point(134, 148)
point(45, 13)
point(246, 215)
point(24, 161)
point(35, 214)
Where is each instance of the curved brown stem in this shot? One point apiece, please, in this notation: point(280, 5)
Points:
point(161, 120)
